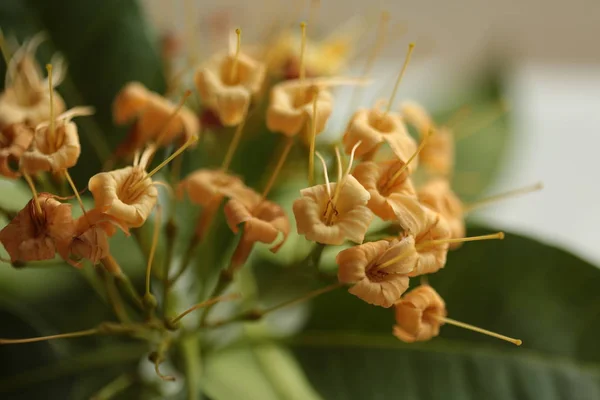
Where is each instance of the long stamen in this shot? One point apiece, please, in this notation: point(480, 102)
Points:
point(75, 192)
point(302, 74)
point(304, 297)
point(327, 185)
point(428, 243)
point(155, 234)
point(237, 136)
point(174, 114)
point(206, 303)
point(180, 150)
point(286, 150)
point(412, 157)
point(391, 261)
point(233, 73)
point(51, 137)
point(87, 332)
point(503, 196)
point(38, 207)
point(329, 211)
point(445, 320)
point(338, 160)
point(411, 47)
point(313, 138)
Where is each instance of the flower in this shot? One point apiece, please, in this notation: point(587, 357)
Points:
point(392, 198)
point(432, 255)
point(27, 96)
point(438, 154)
point(291, 106)
point(91, 245)
point(437, 195)
point(58, 150)
point(323, 220)
point(205, 186)
point(14, 141)
point(419, 315)
point(228, 91)
point(126, 195)
point(32, 236)
point(158, 119)
point(372, 127)
point(378, 270)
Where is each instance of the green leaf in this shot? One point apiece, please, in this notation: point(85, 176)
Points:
point(262, 371)
point(540, 294)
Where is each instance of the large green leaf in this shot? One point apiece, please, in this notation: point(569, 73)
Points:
point(540, 294)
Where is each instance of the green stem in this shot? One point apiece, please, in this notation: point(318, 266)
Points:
point(114, 387)
point(190, 347)
point(113, 296)
point(125, 285)
point(171, 235)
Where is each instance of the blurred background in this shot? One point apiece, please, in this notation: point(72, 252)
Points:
point(545, 54)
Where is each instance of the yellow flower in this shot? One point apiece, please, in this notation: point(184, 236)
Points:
point(432, 255)
point(419, 314)
point(437, 195)
point(205, 186)
point(373, 281)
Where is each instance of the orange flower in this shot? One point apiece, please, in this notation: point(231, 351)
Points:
point(126, 195)
point(391, 199)
point(26, 97)
point(372, 127)
point(325, 219)
point(419, 315)
point(33, 237)
point(14, 141)
point(432, 255)
point(228, 91)
point(205, 186)
point(55, 151)
point(158, 119)
point(438, 155)
point(438, 196)
point(291, 106)
point(91, 245)
point(374, 279)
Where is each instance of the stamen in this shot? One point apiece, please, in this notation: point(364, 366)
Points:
point(327, 184)
point(491, 116)
point(313, 137)
point(429, 243)
point(329, 211)
point(503, 196)
point(180, 150)
point(233, 73)
point(4, 48)
point(286, 150)
point(38, 207)
point(411, 47)
point(304, 297)
point(302, 51)
point(412, 157)
point(75, 192)
point(87, 332)
point(445, 320)
point(218, 299)
point(136, 158)
point(51, 137)
point(356, 146)
point(338, 160)
point(163, 132)
point(155, 234)
point(405, 254)
point(234, 144)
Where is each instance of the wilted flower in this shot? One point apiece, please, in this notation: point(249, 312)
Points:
point(26, 97)
point(379, 270)
point(32, 236)
point(205, 186)
point(419, 315)
point(291, 106)
point(432, 256)
point(14, 141)
point(227, 83)
point(437, 195)
point(323, 219)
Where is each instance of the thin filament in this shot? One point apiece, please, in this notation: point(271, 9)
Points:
point(411, 47)
point(303, 51)
point(155, 234)
point(445, 320)
point(75, 192)
point(313, 138)
point(499, 236)
point(503, 196)
point(237, 136)
point(36, 201)
point(206, 303)
point(51, 137)
point(324, 164)
point(233, 74)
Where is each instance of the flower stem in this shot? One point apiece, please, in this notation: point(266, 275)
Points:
point(114, 387)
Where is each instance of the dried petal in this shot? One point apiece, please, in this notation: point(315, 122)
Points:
point(14, 141)
point(418, 313)
point(60, 155)
point(350, 218)
point(438, 196)
point(291, 107)
point(229, 99)
point(375, 281)
point(432, 257)
point(206, 186)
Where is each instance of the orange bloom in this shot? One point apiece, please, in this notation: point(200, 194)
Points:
point(157, 118)
point(438, 154)
point(229, 99)
point(391, 200)
point(57, 151)
point(291, 107)
point(438, 196)
point(14, 141)
point(205, 186)
point(432, 256)
point(374, 281)
point(418, 315)
point(322, 220)
point(26, 97)
point(372, 127)
point(34, 237)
